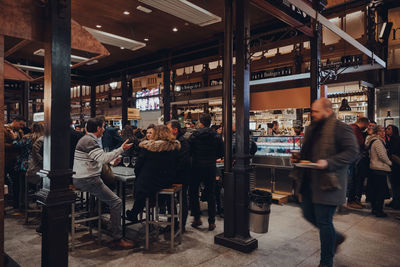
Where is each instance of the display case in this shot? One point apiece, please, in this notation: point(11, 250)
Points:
point(272, 162)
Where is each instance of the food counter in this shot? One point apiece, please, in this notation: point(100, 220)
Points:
point(272, 162)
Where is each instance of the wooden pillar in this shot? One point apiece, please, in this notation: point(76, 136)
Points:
point(8, 112)
point(80, 100)
point(92, 100)
point(25, 101)
point(371, 103)
point(55, 195)
point(315, 64)
point(241, 239)
point(229, 184)
point(2, 156)
point(124, 89)
point(166, 92)
point(33, 105)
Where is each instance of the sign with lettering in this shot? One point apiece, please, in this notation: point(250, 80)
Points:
point(394, 39)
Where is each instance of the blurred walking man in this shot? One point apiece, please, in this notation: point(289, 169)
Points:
point(331, 144)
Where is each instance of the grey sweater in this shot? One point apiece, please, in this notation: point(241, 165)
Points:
point(89, 157)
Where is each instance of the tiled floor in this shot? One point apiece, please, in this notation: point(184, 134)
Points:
point(291, 241)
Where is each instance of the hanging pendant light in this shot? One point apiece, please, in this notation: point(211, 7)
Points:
point(345, 105)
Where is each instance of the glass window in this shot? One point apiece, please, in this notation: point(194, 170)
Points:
point(387, 102)
point(328, 37)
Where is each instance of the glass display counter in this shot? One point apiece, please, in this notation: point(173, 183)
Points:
point(272, 162)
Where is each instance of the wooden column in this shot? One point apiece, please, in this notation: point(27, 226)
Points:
point(80, 101)
point(2, 156)
point(92, 100)
point(315, 64)
point(34, 105)
point(124, 89)
point(229, 181)
point(166, 91)
point(25, 101)
point(241, 240)
point(55, 195)
point(8, 111)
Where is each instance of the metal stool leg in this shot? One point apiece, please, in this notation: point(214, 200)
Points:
point(172, 220)
point(72, 226)
point(26, 200)
point(99, 220)
point(180, 217)
point(147, 223)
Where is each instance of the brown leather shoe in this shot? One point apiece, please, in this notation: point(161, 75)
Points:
point(122, 244)
point(354, 205)
point(211, 227)
point(196, 223)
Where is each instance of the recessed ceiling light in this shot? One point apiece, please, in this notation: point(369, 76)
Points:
point(98, 26)
point(126, 13)
point(146, 39)
point(144, 9)
point(122, 47)
point(175, 29)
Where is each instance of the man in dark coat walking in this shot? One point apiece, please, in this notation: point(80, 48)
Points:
point(331, 145)
point(206, 147)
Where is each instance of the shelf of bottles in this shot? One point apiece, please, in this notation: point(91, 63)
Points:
point(358, 101)
point(277, 146)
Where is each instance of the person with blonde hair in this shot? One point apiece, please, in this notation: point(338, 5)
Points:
point(155, 168)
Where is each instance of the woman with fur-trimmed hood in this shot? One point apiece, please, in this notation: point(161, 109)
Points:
point(155, 167)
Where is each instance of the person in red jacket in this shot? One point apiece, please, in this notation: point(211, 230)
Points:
point(356, 179)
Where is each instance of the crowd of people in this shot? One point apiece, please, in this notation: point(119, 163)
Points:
point(169, 154)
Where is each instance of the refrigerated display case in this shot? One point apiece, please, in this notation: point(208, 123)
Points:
point(272, 162)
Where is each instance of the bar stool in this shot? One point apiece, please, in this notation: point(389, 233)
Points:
point(175, 190)
point(30, 197)
point(83, 215)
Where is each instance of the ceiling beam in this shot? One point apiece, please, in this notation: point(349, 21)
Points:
point(283, 16)
point(16, 47)
point(335, 29)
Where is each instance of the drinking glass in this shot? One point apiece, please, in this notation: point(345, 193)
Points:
point(126, 161)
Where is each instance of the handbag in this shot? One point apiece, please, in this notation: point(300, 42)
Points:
point(107, 175)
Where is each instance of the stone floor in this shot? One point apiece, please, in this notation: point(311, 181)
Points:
point(291, 241)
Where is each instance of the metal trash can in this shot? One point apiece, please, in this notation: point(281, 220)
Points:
point(260, 208)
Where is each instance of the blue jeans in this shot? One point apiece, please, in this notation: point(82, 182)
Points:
point(321, 216)
point(96, 187)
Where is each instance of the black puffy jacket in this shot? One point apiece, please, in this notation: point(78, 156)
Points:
point(206, 146)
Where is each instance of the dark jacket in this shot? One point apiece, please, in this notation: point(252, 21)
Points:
point(206, 146)
point(359, 136)
point(111, 138)
point(184, 161)
point(341, 151)
point(155, 167)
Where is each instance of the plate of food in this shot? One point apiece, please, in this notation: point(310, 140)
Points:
point(306, 164)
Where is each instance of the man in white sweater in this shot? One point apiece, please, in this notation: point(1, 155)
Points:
point(88, 161)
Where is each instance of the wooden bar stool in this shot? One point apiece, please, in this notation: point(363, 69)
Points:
point(82, 215)
point(175, 190)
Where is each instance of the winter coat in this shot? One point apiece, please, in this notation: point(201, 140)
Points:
point(335, 142)
point(11, 148)
point(184, 161)
point(35, 161)
point(206, 147)
point(111, 138)
point(379, 159)
point(156, 166)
